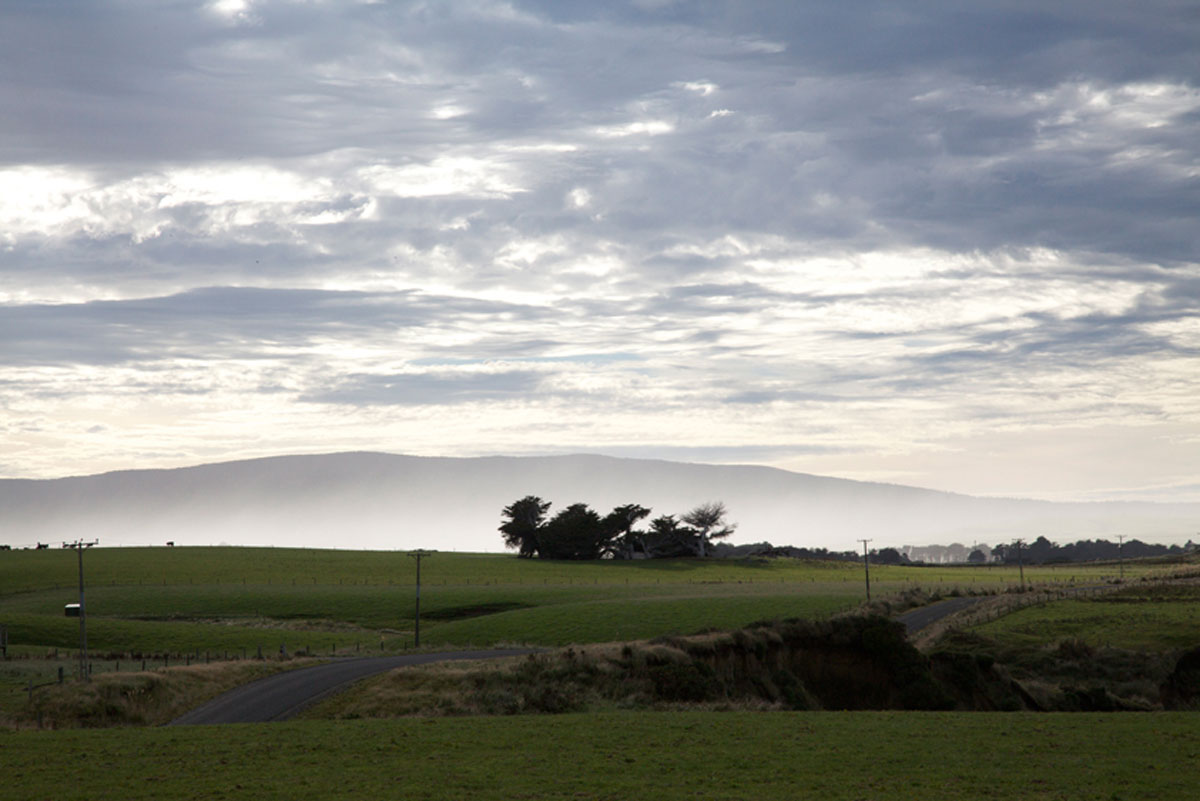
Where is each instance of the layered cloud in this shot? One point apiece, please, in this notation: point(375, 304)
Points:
point(842, 238)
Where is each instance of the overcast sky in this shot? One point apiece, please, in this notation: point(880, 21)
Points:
point(940, 243)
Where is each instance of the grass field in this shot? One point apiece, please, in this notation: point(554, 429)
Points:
point(177, 600)
point(25, 571)
point(1133, 618)
point(680, 755)
point(223, 600)
point(179, 604)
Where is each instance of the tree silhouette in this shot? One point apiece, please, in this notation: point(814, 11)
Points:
point(576, 532)
point(708, 520)
point(668, 537)
point(620, 521)
point(523, 524)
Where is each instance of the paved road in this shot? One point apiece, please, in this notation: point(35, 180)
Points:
point(281, 696)
point(917, 619)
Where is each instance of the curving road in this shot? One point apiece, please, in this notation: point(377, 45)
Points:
point(281, 696)
point(917, 619)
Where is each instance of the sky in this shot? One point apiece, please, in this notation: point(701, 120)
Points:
point(944, 244)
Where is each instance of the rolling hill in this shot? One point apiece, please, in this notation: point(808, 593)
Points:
point(387, 501)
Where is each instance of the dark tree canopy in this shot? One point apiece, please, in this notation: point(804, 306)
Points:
point(578, 532)
point(523, 523)
point(670, 538)
point(627, 540)
point(888, 556)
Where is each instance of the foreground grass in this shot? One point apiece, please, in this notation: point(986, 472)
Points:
point(721, 755)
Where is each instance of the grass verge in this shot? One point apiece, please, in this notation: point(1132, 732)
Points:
point(144, 698)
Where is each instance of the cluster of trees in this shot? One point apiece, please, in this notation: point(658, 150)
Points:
point(1042, 551)
point(579, 532)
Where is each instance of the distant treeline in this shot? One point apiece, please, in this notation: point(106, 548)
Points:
point(1040, 551)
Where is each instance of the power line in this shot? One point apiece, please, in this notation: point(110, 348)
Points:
point(867, 568)
point(1020, 565)
point(417, 554)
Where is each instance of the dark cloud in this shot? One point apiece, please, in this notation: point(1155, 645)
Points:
point(220, 323)
point(763, 212)
point(430, 389)
point(919, 119)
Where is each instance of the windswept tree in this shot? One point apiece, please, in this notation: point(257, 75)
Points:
point(620, 522)
point(669, 538)
point(576, 532)
point(523, 524)
point(708, 520)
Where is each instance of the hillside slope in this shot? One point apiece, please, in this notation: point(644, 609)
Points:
point(387, 501)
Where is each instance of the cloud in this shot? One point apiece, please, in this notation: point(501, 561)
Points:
point(226, 323)
point(426, 389)
point(860, 229)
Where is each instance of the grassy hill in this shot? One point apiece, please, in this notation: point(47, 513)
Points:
point(381, 501)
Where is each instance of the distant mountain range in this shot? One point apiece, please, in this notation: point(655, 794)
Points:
point(386, 501)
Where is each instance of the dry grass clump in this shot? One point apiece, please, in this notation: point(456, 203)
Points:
point(845, 663)
point(146, 698)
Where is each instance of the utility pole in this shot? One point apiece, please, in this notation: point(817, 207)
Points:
point(1121, 555)
point(867, 568)
point(84, 673)
point(1020, 566)
point(417, 554)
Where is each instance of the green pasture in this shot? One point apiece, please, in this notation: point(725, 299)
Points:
point(835, 756)
point(25, 570)
point(533, 615)
point(1137, 618)
point(636, 618)
point(222, 600)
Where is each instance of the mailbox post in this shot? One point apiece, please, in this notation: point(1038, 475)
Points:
point(84, 673)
